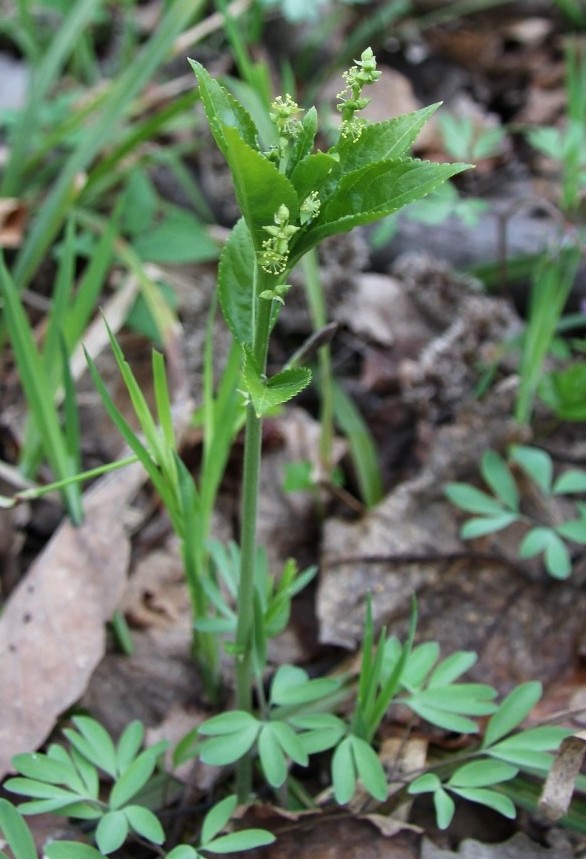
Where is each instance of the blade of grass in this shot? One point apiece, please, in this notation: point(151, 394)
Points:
point(63, 44)
point(362, 447)
point(121, 93)
point(37, 391)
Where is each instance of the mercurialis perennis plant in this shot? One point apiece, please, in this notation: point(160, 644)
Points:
point(293, 195)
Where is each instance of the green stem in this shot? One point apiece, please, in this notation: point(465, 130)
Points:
point(250, 491)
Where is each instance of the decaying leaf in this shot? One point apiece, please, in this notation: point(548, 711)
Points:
point(517, 847)
point(52, 632)
point(12, 222)
point(559, 786)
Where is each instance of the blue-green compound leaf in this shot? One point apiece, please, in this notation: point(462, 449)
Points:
point(265, 394)
point(71, 850)
point(427, 783)
point(556, 555)
point(223, 110)
point(217, 818)
point(111, 831)
point(145, 823)
point(370, 769)
point(237, 842)
point(236, 282)
point(343, 772)
point(497, 801)
point(482, 774)
point(480, 527)
point(497, 475)
point(511, 712)
point(472, 500)
point(16, 832)
point(272, 757)
point(444, 808)
point(134, 778)
point(536, 463)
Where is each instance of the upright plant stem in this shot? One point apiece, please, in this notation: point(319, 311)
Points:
point(250, 488)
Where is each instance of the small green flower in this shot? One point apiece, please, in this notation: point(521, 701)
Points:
point(275, 252)
point(351, 98)
point(310, 207)
point(284, 115)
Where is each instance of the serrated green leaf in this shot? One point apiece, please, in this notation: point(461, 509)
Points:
point(536, 463)
point(452, 668)
point(488, 525)
point(371, 193)
point(266, 394)
point(16, 832)
point(111, 831)
point(70, 850)
point(311, 172)
point(427, 783)
point(129, 744)
point(236, 282)
point(482, 773)
point(145, 823)
point(236, 842)
point(444, 808)
point(512, 711)
point(272, 758)
point(490, 798)
point(228, 748)
point(369, 769)
point(217, 818)
point(133, 779)
point(472, 500)
point(223, 110)
point(496, 474)
point(382, 141)
point(260, 188)
point(343, 772)
point(572, 481)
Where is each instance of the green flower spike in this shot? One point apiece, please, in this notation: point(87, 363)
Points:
point(275, 252)
point(351, 99)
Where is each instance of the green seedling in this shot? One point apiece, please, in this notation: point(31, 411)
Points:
point(67, 782)
point(502, 507)
point(467, 140)
point(499, 759)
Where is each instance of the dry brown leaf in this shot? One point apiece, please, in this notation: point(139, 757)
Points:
point(13, 217)
point(559, 786)
point(52, 632)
